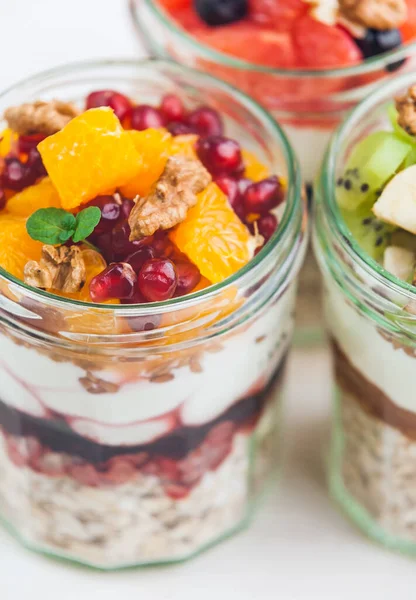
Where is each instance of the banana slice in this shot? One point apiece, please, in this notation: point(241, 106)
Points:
point(400, 262)
point(397, 202)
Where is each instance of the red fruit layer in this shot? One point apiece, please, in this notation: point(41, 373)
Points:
point(55, 435)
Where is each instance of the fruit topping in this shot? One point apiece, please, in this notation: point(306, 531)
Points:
point(377, 14)
point(146, 117)
point(397, 202)
point(171, 197)
point(213, 237)
point(116, 281)
point(188, 278)
point(17, 175)
point(267, 225)
point(16, 246)
point(157, 279)
point(221, 12)
point(264, 195)
point(378, 41)
point(400, 262)
point(40, 195)
point(172, 109)
point(220, 155)
point(406, 109)
point(40, 117)
point(205, 121)
point(110, 210)
point(142, 255)
point(120, 104)
point(91, 155)
point(60, 269)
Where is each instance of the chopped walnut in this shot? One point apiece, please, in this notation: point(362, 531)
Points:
point(94, 385)
point(171, 197)
point(406, 107)
point(59, 268)
point(376, 14)
point(40, 117)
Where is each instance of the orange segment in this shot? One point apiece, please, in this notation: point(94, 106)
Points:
point(255, 169)
point(185, 145)
point(213, 237)
point(16, 246)
point(40, 195)
point(89, 156)
point(153, 146)
point(7, 140)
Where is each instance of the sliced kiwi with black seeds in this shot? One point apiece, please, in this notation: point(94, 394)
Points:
point(371, 164)
point(369, 232)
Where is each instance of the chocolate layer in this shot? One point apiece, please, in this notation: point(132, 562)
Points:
point(373, 400)
point(58, 437)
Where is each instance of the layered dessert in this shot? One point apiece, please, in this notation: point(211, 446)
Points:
point(371, 324)
point(139, 389)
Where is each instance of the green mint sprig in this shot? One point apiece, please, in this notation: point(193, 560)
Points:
point(56, 225)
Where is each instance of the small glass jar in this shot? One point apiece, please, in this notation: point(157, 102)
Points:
point(371, 321)
point(309, 104)
point(143, 434)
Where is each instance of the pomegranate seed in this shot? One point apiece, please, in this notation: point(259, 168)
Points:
point(27, 142)
point(104, 243)
point(146, 117)
point(172, 108)
point(35, 163)
point(110, 212)
point(177, 128)
point(2, 199)
point(138, 258)
point(158, 279)
point(120, 104)
point(205, 121)
point(267, 226)
point(161, 244)
point(229, 186)
point(116, 281)
point(121, 244)
point(136, 297)
point(260, 197)
point(243, 184)
point(17, 175)
point(126, 208)
point(220, 155)
point(188, 278)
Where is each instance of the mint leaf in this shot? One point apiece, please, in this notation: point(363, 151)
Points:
point(51, 225)
point(86, 222)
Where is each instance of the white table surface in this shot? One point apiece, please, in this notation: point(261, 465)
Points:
point(299, 547)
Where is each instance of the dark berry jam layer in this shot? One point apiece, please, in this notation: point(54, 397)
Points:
point(56, 435)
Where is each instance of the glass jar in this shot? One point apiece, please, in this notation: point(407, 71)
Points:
point(309, 104)
point(127, 435)
point(371, 322)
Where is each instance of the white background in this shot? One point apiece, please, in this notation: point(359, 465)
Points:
point(299, 547)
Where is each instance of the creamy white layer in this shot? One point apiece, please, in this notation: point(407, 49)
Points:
point(390, 369)
point(142, 411)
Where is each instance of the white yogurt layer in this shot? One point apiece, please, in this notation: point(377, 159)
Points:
point(309, 144)
point(390, 369)
point(143, 411)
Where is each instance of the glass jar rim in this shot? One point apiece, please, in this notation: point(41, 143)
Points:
point(369, 65)
point(328, 179)
point(282, 233)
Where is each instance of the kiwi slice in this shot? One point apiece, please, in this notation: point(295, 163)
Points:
point(372, 163)
point(369, 232)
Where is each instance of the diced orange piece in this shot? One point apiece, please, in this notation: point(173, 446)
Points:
point(185, 145)
point(154, 148)
point(7, 140)
point(40, 195)
point(254, 170)
point(90, 155)
point(213, 237)
point(16, 246)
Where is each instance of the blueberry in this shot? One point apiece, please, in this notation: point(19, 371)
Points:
point(221, 12)
point(379, 41)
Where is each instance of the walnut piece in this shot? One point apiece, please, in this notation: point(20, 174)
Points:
point(376, 14)
point(171, 197)
point(406, 108)
point(59, 268)
point(40, 117)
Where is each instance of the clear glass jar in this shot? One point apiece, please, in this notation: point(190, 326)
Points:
point(127, 435)
point(309, 104)
point(371, 322)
